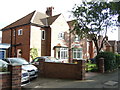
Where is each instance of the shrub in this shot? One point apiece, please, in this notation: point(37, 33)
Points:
point(33, 53)
point(118, 59)
point(109, 60)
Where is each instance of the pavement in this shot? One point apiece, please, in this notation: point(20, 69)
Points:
point(93, 80)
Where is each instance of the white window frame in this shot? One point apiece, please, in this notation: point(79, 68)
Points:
point(77, 38)
point(63, 53)
point(43, 34)
point(61, 35)
point(20, 32)
point(76, 52)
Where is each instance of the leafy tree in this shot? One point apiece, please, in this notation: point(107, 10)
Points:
point(93, 19)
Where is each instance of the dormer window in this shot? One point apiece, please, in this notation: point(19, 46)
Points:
point(20, 32)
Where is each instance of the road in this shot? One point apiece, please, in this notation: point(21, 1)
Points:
point(93, 80)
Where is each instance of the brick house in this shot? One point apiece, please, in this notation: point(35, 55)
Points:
point(118, 47)
point(113, 44)
point(50, 35)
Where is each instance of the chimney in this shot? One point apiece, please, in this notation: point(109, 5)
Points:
point(49, 11)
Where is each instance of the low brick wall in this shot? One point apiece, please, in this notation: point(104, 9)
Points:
point(5, 80)
point(62, 70)
point(12, 79)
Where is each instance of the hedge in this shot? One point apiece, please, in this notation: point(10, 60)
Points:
point(110, 60)
point(118, 59)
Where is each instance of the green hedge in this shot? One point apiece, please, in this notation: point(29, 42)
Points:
point(118, 59)
point(110, 62)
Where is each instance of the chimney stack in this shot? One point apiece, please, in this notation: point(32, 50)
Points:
point(49, 11)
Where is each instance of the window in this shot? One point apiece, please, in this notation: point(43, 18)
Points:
point(61, 35)
point(77, 38)
point(2, 54)
point(20, 32)
point(77, 53)
point(63, 53)
point(14, 33)
point(43, 35)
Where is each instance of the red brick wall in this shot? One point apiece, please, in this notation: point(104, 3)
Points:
point(63, 70)
point(46, 44)
point(23, 39)
point(5, 81)
point(12, 79)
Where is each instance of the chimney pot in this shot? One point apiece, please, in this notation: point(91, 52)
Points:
point(49, 11)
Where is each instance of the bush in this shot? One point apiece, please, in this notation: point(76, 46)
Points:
point(109, 60)
point(118, 59)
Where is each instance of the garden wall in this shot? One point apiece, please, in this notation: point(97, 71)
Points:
point(12, 79)
point(5, 80)
point(62, 70)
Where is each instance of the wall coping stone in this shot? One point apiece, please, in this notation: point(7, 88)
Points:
point(4, 72)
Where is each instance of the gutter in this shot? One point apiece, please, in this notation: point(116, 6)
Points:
point(14, 27)
point(23, 25)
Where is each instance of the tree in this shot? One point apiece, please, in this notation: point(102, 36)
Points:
point(93, 19)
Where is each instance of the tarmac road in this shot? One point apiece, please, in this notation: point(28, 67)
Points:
point(93, 80)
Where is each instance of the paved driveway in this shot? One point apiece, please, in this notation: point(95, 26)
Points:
point(93, 80)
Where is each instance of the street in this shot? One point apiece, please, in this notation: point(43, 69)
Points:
point(93, 80)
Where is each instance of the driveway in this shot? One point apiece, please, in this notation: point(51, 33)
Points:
point(93, 80)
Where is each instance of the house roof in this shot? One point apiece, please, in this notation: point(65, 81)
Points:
point(112, 42)
point(71, 24)
point(36, 18)
point(52, 19)
point(39, 19)
point(107, 44)
point(25, 20)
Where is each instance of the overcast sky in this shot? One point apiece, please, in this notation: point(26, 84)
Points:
point(12, 10)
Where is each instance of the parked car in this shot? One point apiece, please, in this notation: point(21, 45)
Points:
point(31, 69)
point(25, 78)
point(47, 59)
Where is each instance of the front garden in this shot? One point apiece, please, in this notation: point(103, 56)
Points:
point(111, 60)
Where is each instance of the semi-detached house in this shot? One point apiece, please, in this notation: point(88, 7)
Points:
point(50, 35)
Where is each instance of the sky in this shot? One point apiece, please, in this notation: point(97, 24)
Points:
point(12, 10)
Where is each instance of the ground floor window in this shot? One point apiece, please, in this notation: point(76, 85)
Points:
point(2, 54)
point(62, 53)
point(77, 53)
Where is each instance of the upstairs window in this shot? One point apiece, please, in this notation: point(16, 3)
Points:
point(20, 32)
point(14, 33)
point(43, 34)
point(77, 38)
point(61, 35)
